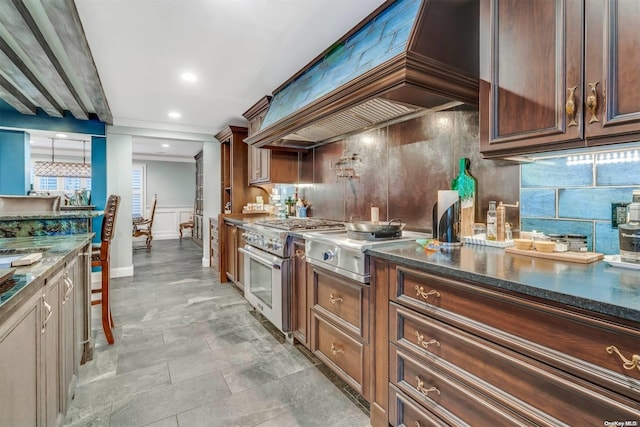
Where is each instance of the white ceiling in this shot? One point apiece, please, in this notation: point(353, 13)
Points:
point(240, 51)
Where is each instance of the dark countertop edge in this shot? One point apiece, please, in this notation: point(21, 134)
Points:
point(38, 281)
point(13, 216)
point(545, 294)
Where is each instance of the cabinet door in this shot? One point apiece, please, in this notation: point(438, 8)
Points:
point(240, 242)
point(20, 367)
point(230, 242)
point(300, 306)
point(531, 65)
point(69, 335)
point(51, 333)
point(612, 61)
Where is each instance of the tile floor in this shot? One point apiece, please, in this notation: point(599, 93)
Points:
point(189, 352)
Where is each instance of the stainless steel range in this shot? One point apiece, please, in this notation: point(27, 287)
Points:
point(344, 253)
point(267, 266)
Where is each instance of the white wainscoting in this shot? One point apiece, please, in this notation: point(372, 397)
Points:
point(166, 223)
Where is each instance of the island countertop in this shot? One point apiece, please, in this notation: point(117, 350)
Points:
point(56, 250)
point(597, 287)
point(61, 214)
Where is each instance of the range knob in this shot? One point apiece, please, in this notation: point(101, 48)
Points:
point(328, 255)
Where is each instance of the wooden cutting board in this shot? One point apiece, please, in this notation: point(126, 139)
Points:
point(579, 257)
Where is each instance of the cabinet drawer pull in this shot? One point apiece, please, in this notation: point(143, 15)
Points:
point(49, 313)
point(334, 299)
point(335, 350)
point(300, 254)
point(423, 343)
point(421, 293)
point(422, 389)
point(592, 102)
point(570, 106)
point(626, 363)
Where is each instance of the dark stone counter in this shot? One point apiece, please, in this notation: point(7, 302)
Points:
point(32, 224)
point(56, 250)
point(596, 287)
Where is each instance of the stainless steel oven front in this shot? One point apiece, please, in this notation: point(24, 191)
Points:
point(267, 285)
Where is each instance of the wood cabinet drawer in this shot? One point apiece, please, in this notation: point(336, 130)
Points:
point(445, 396)
point(404, 411)
point(342, 353)
point(343, 299)
point(565, 399)
point(572, 341)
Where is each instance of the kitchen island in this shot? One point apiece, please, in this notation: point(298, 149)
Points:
point(478, 334)
point(44, 327)
point(31, 224)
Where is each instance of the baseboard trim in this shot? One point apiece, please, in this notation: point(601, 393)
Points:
point(96, 276)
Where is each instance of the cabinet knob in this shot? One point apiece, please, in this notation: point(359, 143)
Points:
point(626, 363)
point(592, 102)
point(300, 254)
point(421, 293)
point(423, 389)
point(570, 106)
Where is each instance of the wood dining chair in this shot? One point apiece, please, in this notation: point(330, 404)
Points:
point(144, 226)
point(101, 257)
point(188, 224)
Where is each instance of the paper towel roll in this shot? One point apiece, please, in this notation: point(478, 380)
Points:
point(446, 198)
point(375, 215)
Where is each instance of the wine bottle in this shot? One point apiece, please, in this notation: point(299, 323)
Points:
point(466, 185)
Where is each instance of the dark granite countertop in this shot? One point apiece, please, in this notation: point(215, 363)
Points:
point(55, 251)
point(63, 214)
point(596, 287)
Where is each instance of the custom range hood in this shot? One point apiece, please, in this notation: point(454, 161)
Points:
point(406, 58)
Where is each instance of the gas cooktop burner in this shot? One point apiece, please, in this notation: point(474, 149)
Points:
point(293, 224)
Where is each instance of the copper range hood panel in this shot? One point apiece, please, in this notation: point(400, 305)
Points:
point(407, 56)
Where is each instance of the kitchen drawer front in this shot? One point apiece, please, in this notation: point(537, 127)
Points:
point(443, 395)
point(342, 353)
point(580, 344)
point(404, 411)
point(552, 397)
point(343, 300)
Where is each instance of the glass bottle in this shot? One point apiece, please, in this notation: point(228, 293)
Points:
point(492, 222)
point(466, 186)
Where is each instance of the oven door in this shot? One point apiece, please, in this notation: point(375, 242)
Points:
point(266, 279)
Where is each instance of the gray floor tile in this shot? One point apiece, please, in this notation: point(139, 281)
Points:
point(190, 352)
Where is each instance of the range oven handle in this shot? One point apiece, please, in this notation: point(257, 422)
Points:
point(275, 263)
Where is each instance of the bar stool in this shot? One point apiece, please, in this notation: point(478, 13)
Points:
point(101, 257)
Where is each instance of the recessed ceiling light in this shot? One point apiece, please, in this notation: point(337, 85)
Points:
point(62, 135)
point(189, 77)
point(174, 114)
point(165, 145)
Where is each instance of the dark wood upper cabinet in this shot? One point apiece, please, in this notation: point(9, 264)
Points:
point(538, 64)
point(268, 166)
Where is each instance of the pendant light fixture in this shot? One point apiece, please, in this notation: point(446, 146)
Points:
point(63, 169)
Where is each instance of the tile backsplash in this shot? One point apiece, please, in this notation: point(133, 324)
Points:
point(573, 195)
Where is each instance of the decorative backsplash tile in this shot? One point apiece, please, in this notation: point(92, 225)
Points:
point(569, 195)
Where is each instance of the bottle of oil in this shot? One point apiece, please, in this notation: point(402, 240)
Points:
point(500, 222)
point(492, 222)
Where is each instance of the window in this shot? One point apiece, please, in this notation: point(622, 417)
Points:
point(138, 190)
